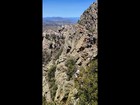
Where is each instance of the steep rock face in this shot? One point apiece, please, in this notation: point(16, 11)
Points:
point(89, 18)
point(70, 62)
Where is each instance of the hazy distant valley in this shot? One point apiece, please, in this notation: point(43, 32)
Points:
point(54, 22)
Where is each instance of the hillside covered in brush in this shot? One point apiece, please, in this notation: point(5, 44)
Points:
point(70, 62)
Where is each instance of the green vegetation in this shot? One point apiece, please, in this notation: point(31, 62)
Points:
point(53, 91)
point(46, 57)
point(70, 63)
point(78, 21)
point(44, 101)
point(51, 72)
point(51, 79)
point(47, 36)
point(53, 37)
point(51, 103)
point(87, 85)
point(58, 54)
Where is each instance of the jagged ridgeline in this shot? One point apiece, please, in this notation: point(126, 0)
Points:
point(70, 63)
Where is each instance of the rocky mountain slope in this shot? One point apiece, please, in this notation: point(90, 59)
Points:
point(70, 62)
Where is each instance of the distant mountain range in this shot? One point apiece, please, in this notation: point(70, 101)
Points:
point(56, 21)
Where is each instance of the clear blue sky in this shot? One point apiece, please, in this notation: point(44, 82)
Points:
point(65, 8)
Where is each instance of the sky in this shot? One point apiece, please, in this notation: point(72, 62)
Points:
point(65, 8)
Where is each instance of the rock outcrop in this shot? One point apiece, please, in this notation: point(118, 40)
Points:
point(70, 62)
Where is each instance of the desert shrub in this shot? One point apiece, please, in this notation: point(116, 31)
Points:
point(46, 57)
point(51, 79)
point(53, 36)
point(58, 54)
point(53, 91)
point(78, 21)
point(88, 92)
point(47, 37)
point(44, 101)
point(51, 103)
point(51, 72)
point(70, 63)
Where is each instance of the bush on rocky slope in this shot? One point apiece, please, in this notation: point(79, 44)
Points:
point(69, 84)
point(46, 57)
point(87, 85)
point(43, 101)
point(70, 63)
point(50, 103)
point(51, 79)
point(58, 53)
